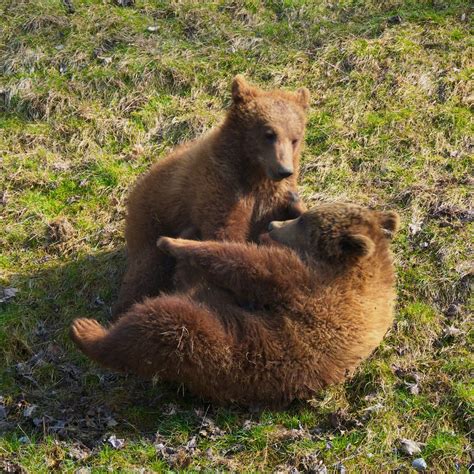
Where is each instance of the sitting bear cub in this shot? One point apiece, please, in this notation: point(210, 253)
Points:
point(322, 295)
point(228, 185)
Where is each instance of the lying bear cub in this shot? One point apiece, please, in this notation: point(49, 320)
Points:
point(322, 294)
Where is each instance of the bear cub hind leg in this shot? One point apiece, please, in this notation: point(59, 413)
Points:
point(87, 334)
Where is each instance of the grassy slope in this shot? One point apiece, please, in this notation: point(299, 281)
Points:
point(89, 99)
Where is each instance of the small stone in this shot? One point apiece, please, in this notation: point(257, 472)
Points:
point(24, 440)
point(419, 464)
point(152, 29)
point(409, 446)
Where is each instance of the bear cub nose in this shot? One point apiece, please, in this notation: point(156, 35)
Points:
point(284, 172)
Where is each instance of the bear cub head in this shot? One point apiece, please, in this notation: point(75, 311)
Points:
point(273, 125)
point(335, 233)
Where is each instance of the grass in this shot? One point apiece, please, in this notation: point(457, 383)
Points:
point(90, 98)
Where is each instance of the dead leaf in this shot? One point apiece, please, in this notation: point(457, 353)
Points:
point(60, 230)
point(115, 442)
point(452, 331)
point(415, 226)
point(452, 310)
point(248, 424)
point(311, 463)
point(79, 453)
point(29, 411)
point(413, 388)
point(7, 294)
point(374, 408)
point(409, 447)
point(236, 448)
point(170, 409)
point(10, 467)
point(208, 429)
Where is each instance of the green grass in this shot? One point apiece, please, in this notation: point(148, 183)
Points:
point(88, 100)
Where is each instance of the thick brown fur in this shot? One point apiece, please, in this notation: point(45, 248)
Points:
point(318, 309)
point(225, 186)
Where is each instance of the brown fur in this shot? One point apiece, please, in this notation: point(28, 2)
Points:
point(223, 186)
point(319, 309)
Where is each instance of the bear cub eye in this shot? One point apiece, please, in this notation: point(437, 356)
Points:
point(294, 142)
point(271, 136)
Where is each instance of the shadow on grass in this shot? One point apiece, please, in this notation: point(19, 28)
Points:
point(50, 388)
point(47, 385)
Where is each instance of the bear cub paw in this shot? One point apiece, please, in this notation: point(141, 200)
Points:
point(86, 333)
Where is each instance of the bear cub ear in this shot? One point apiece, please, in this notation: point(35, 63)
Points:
point(303, 97)
point(357, 245)
point(390, 222)
point(242, 91)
